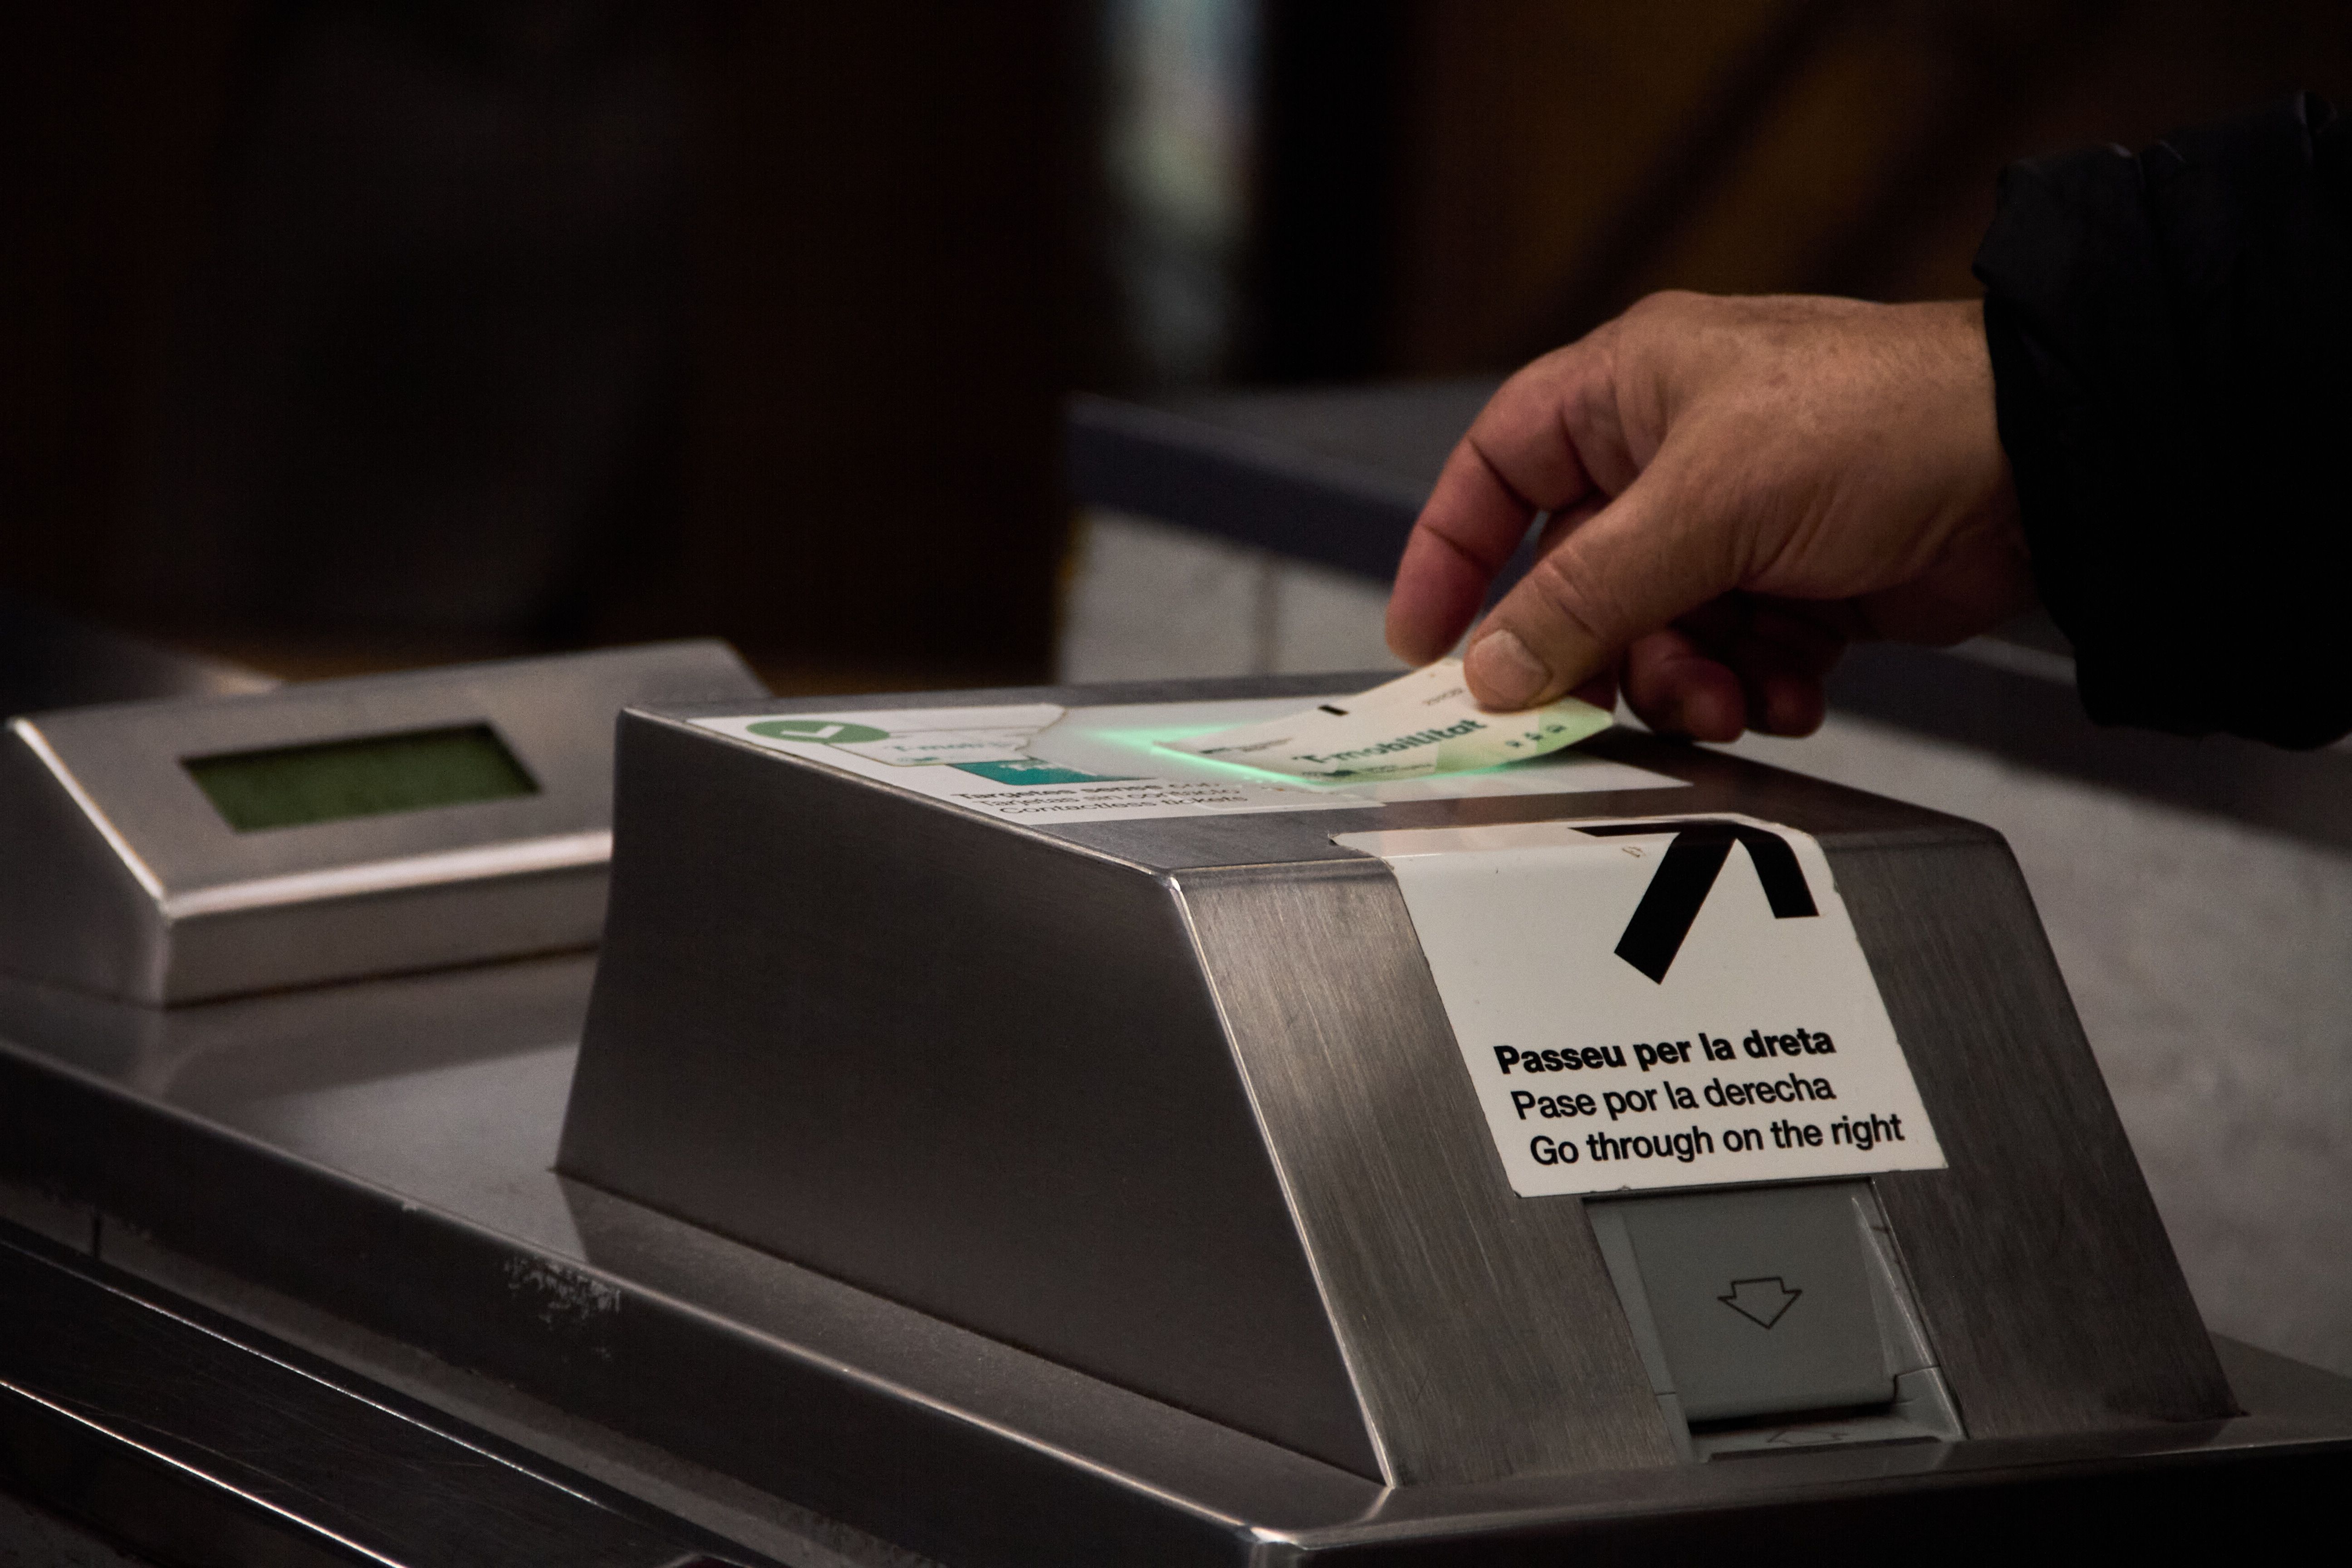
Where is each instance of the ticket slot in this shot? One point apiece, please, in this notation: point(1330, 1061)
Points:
point(1774, 1317)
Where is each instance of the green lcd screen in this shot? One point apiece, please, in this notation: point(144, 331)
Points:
point(289, 787)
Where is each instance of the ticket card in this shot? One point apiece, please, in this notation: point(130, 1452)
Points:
point(1416, 725)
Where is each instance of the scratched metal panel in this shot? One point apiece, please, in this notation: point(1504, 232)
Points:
point(1484, 1334)
point(2049, 1288)
point(197, 1441)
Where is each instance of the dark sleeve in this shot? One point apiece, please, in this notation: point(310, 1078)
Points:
point(2171, 335)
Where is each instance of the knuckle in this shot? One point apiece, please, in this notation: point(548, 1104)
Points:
point(1664, 302)
point(1568, 597)
point(1672, 313)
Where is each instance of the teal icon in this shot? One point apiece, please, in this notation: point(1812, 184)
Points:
point(825, 732)
point(1029, 770)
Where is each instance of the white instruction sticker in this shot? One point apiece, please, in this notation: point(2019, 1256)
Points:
point(1037, 762)
point(1659, 1003)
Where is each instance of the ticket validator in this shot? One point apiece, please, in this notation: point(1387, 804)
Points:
point(1250, 1096)
point(1003, 1135)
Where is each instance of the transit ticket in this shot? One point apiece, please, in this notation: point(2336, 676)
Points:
point(1416, 725)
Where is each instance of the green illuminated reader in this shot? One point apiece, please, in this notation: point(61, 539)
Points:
point(181, 850)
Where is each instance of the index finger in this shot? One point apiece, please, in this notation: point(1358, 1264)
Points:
point(1520, 458)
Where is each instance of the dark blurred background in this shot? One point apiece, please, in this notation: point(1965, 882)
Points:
point(341, 335)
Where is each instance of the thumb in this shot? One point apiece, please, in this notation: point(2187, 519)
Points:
point(1633, 567)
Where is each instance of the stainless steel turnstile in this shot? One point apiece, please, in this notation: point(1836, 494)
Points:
point(1150, 1288)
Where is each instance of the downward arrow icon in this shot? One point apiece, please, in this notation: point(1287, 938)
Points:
point(1761, 1301)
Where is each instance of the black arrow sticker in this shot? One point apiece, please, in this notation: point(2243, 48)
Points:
point(1686, 874)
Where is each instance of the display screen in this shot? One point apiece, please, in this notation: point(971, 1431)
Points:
point(330, 781)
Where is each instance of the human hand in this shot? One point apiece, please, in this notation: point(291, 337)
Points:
point(1738, 488)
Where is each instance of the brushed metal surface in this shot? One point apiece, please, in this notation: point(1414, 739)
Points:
point(677, 1341)
point(1480, 1334)
point(1483, 1331)
point(193, 910)
point(2049, 1287)
point(925, 1433)
point(956, 1065)
point(222, 1057)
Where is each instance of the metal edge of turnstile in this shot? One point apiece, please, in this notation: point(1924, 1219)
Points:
point(184, 1436)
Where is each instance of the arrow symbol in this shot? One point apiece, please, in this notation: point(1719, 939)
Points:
point(1686, 875)
point(1761, 1301)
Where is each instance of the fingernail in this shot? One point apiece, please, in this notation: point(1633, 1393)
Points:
point(1511, 676)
